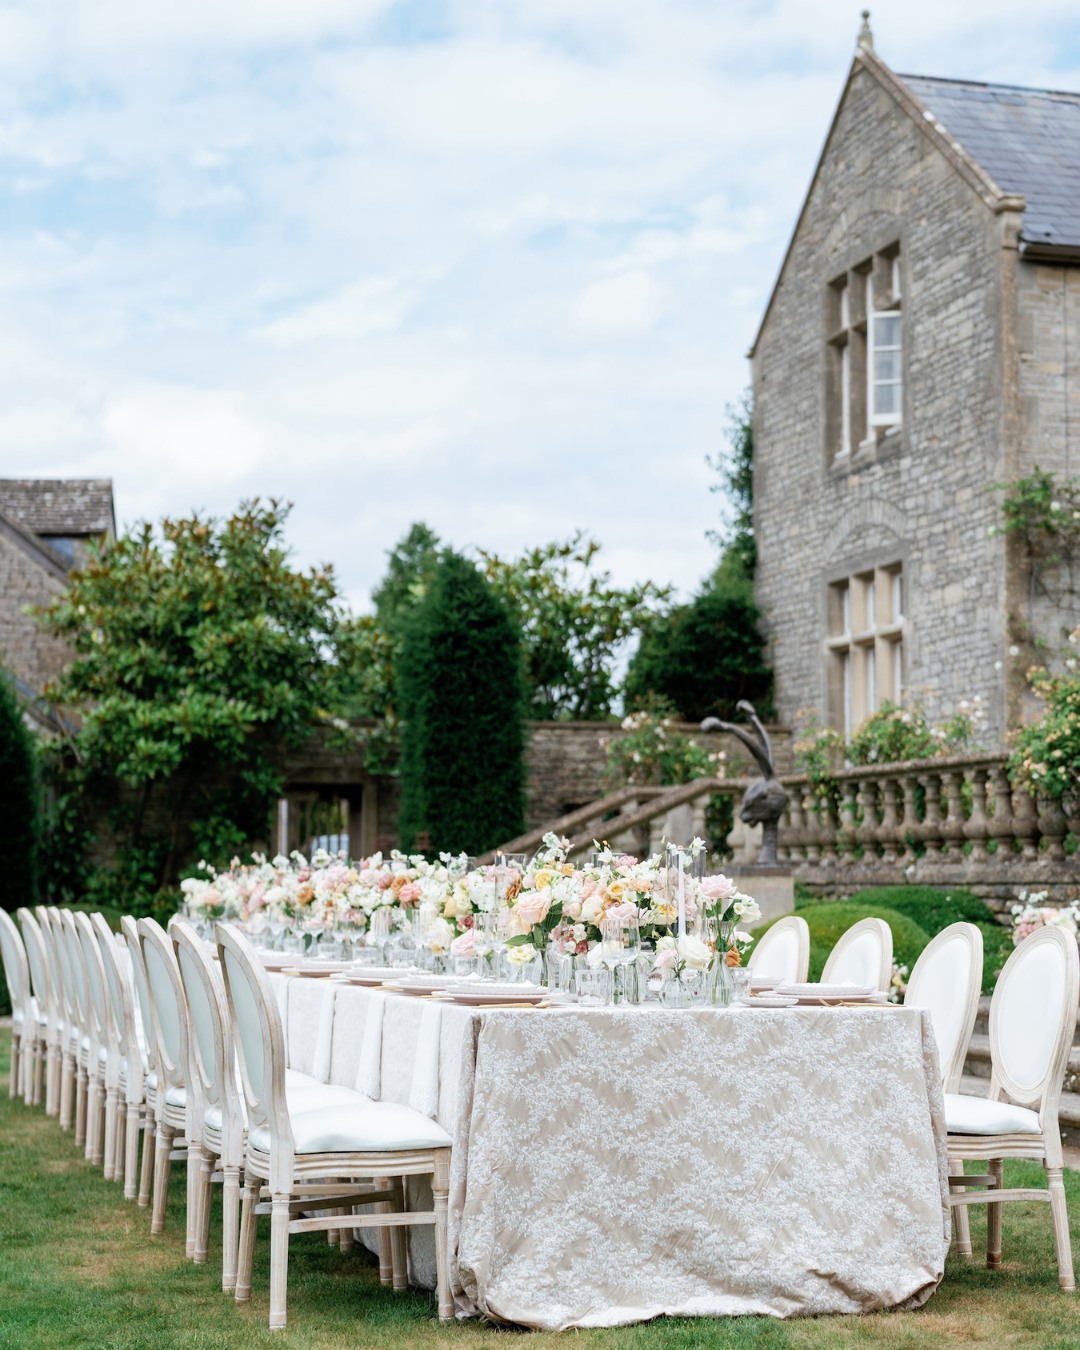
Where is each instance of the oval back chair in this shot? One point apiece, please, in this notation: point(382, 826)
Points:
point(131, 1078)
point(23, 1016)
point(862, 955)
point(783, 951)
point(48, 1025)
point(946, 981)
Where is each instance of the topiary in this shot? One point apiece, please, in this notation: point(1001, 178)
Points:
point(829, 921)
point(19, 804)
point(462, 705)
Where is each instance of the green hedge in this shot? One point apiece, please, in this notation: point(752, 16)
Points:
point(915, 914)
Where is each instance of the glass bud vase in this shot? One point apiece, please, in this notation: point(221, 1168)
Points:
point(686, 990)
point(721, 983)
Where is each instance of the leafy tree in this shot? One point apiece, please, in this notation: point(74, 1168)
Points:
point(413, 562)
point(574, 625)
point(19, 803)
point(462, 706)
point(735, 470)
point(200, 657)
point(703, 658)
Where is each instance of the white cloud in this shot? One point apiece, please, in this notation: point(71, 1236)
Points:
point(500, 275)
point(627, 305)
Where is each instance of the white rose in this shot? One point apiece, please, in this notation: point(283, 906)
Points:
point(694, 952)
point(590, 909)
point(747, 910)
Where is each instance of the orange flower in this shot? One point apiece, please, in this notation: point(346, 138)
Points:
point(732, 957)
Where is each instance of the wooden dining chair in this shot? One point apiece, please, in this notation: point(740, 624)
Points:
point(174, 1107)
point(862, 955)
point(81, 1021)
point(1032, 1024)
point(50, 1013)
point(946, 980)
point(103, 1055)
point(23, 1008)
point(131, 1069)
point(783, 951)
point(303, 1154)
point(52, 927)
point(144, 1018)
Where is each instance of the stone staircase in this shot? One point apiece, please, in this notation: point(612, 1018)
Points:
point(977, 1073)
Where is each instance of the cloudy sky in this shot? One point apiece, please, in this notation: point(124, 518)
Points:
point(492, 264)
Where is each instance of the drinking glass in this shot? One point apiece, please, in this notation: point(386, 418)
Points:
point(740, 984)
point(485, 943)
point(593, 987)
point(465, 966)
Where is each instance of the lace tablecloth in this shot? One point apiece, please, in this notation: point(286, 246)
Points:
point(613, 1165)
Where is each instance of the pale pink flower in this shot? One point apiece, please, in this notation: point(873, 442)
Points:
point(532, 906)
point(465, 945)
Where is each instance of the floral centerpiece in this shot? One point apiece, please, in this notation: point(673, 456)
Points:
point(1032, 913)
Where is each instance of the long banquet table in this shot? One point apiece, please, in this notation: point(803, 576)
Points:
point(613, 1165)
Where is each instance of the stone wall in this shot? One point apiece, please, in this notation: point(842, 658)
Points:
point(567, 763)
point(920, 495)
point(26, 579)
point(1047, 331)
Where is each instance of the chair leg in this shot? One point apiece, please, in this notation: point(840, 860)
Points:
point(148, 1160)
point(386, 1254)
point(245, 1252)
point(440, 1187)
point(92, 1096)
point(192, 1171)
point(398, 1241)
point(348, 1235)
point(993, 1219)
point(1061, 1228)
point(162, 1171)
point(95, 1146)
point(120, 1142)
point(39, 1074)
point(960, 1217)
point(110, 1134)
point(67, 1092)
point(279, 1259)
point(52, 1080)
point(131, 1153)
point(206, 1204)
point(230, 1227)
point(15, 1084)
point(80, 1108)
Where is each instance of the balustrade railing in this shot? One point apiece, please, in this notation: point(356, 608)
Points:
point(945, 811)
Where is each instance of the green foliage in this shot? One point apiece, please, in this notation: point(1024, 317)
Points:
point(412, 564)
point(1043, 513)
point(462, 710)
point(654, 753)
point(368, 657)
point(200, 657)
point(932, 910)
point(19, 805)
point(704, 657)
point(1046, 755)
point(574, 624)
point(828, 922)
point(735, 470)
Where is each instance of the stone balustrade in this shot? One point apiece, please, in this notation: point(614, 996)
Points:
point(941, 822)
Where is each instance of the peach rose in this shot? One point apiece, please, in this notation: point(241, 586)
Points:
point(532, 907)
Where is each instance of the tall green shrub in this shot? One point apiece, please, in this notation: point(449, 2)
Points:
point(19, 805)
point(462, 704)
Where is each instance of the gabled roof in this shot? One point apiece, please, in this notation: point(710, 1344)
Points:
point(1005, 142)
point(1027, 140)
point(34, 547)
point(59, 506)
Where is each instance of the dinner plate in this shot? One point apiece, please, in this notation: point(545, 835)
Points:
point(418, 984)
point(834, 1000)
point(763, 982)
point(370, 976)
point(482, 998)
point(768, 1001)
point(826, 990)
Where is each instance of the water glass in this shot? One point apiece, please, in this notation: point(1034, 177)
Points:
point(688, 990)
point(740, 984)
point(593, 987)
point(367, 956)
point(465, 966)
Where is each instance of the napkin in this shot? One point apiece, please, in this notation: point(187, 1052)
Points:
point(424, 1094)
point(324, 1037)
point(369, 1071)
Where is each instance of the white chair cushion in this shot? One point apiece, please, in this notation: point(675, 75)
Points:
point(362, 1127)
point(176, 1096)
point(976, 1115)
point(301, 1096)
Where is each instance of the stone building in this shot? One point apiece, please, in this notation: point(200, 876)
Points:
point(46, 528)
point(922, 344)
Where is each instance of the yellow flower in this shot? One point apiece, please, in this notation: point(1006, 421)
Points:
point(544, 878)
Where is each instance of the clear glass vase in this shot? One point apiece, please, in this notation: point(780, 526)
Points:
point(687, 990)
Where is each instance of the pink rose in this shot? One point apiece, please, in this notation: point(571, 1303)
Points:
point(718, 887)
point(410, 893)
point(532, 907)
point(572, 908)
point(622, 913)
point(465, 945)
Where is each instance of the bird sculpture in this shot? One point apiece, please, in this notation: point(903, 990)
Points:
point(764, 800)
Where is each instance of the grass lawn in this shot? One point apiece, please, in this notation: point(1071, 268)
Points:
point(78, 1268)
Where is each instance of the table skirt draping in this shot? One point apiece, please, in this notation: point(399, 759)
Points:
point(613, 1165)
